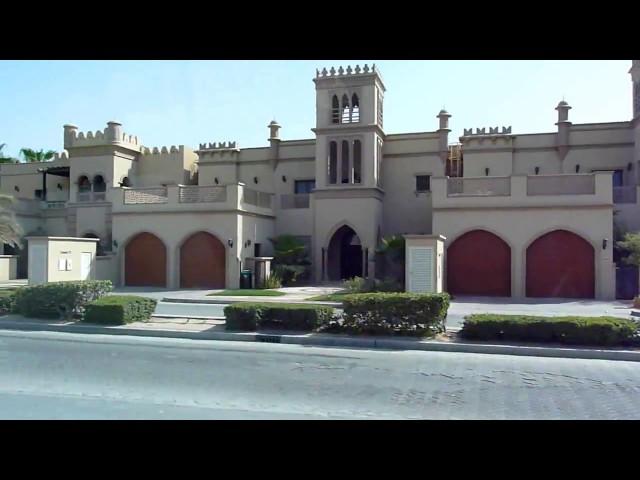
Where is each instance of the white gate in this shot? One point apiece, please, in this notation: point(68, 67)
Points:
point(37, 271)
point(85, 266)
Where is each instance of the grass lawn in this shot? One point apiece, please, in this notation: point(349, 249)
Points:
point(247, 293)
point(331, 297)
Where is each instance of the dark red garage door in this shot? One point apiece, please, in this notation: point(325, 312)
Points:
point(560, 264)
point(145, 258)
point(202, 262)
point(479, 263)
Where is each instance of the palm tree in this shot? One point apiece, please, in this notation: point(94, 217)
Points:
point(10, 230)
point(4, 159)
point(31, 156)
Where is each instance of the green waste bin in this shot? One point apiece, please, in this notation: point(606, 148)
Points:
point(245, 279)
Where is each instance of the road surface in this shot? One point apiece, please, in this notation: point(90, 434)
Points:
point(51, 375)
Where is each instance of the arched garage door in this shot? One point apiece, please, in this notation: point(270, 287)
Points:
point(479, 263)
point(145, 262)
point(202, 262)
point(560, 264)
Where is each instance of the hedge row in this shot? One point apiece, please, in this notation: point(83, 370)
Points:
point(59, 299)
point(395, 313)
point(255, 316)
point(120, 309)
point(7, 300)
point(605, 331)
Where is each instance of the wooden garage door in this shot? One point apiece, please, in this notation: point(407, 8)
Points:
point(145, 262)
point(560, 264)
point(202, 262)
point(479, 263)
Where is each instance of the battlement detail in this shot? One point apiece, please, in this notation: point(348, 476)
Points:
point(162, 150)
point(332, 72)
point(468, 132)
point(113, 134)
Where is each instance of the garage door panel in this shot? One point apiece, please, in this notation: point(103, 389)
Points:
point(560, 264)
point(145, 262)
point(202, 262)
point(479, 263)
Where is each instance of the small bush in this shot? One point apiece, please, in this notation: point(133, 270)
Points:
point(395, 313)
point(7, 300)
point(256, 316)
point(636, 302)
point(273, 281)
point(356, 285)
point(59, 299)
point(606, 331)
point(120, 309)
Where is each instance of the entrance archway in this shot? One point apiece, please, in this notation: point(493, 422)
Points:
point(344, 255)
point(145, 262)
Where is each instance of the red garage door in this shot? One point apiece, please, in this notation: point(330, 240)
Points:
point(479, 263)
point(145, 260)
point(202, 262)
point(560, 264)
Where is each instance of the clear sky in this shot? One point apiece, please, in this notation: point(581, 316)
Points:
point(192, 102)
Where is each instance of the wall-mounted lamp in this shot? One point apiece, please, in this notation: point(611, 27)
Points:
point(604, 244)
point(16, 188)
point(230, 243)
point(247, 243)
point(486, 171)
point(629, 166)
point(59, 186)
point(115, 244)
point(255, 179)
point(216, 180)
point(537, 170)
point(284, 178)
point(577, 168)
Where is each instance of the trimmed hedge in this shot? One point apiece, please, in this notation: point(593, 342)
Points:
point(59, 299)
point(120, 309)
point(568, 330)
point(7, 300)
point(285, 316)
point(395, 313)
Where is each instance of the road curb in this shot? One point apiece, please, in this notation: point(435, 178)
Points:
point(339, 341)
point(257, 299)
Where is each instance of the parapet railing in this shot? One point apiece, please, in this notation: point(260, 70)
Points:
point(134, 196)
point(256, 198)
point(201, 194)
point(479, 186)
point(581, 184)
point(295, 200)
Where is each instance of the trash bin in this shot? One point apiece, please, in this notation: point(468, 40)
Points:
point(245, 279)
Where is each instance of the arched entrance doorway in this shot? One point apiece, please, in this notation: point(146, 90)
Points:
point(479, 263)
point(344, 255)
point(145, 262)
point(202, 262)
point(560, 264)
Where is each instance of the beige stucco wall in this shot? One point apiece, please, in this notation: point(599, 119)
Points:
point(519, 227)
point(163, 166)
point(8, 267)
point(107, 268)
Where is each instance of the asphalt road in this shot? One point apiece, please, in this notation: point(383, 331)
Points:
point(49, 375)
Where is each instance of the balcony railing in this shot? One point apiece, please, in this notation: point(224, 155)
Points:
point(625, 194)
point(561, 185)
point(135, 196)
point(204, 194)
point(257, 199)
point(91, 196)
point(54, 205)
point(291, 201)
point(479, 186)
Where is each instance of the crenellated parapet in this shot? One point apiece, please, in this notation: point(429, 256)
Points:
point(62, 156)
point(220, 149)
point(162, 150)
point(332, 72)
point(468, 132)
point(113, 134)
point(481, 135)
point(348, 76)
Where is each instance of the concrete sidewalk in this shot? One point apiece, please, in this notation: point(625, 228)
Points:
point(202, 329)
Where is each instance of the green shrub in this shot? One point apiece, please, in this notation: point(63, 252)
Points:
point(120, 309)
point(568, 330)
point(59, 299)
point(273, 281)
point(255, 316)
point(395, 313)
point(7, 300)
point(356, 285)
point(636, 302)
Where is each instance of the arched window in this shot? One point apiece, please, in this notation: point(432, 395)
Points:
point(333, 163)
point(355, 109)
point(98, 184)
point(357, 161)
point(335, 110)
point(345, 162)
point(84, 185)
point(346, 111)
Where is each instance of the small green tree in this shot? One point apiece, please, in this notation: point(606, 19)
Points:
point(631, 244)
point(32, 156)
point(392, 252)
point(290, 258)
point(10, 230)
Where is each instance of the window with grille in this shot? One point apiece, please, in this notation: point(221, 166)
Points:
point(423, 183)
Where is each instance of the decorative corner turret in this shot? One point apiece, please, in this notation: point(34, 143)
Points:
point(564, 129)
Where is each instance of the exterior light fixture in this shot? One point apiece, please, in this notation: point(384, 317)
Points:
point(255, 179)
point(59, 186)
point(16, 188)
point(604, 244)
point(577, 168)
point(537, 170)
point(486, 171)
point(629, 166)
point(216, 180)
point(230, 243)
point(284, 178)
point(115, 244)
point(247, 243)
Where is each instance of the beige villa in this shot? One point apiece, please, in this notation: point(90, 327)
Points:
point(523, 215)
